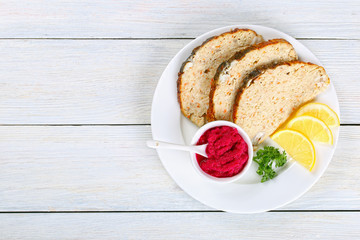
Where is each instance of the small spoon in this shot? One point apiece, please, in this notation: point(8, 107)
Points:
point(199, 149)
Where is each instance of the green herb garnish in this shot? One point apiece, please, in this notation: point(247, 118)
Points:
point(265, 158)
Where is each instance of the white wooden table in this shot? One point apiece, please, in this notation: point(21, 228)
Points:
point(76, 85)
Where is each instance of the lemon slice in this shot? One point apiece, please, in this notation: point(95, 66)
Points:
point(299, 147)
point(320, 111)
point(313, 128)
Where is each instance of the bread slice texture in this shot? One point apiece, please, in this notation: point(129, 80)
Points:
point(197, 72)
point(232, 74)
point(273, 95)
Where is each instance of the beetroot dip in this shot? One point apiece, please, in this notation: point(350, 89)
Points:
point(227, 152)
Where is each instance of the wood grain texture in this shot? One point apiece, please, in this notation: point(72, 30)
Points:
point(113, 82)
point(297, 225)
point(110, 169)
point(164, 18)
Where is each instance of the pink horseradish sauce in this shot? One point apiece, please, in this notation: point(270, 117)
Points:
point(227, 152)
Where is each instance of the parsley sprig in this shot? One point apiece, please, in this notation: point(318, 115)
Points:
point(265, 158)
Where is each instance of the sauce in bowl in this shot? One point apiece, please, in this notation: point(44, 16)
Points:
point(227, 152)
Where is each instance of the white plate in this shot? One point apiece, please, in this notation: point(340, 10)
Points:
point(243, 196)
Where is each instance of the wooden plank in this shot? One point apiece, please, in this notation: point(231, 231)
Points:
point(79, 81)
point(110, 169)
point(163, 18)
point(84, 168)
point(109, 82)
point(297, 225)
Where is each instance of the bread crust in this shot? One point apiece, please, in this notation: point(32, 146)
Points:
point(194, 51)
point(238, 56)
point(258, 73)
point(255, 76)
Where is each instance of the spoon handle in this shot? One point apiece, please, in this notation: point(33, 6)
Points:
point(164, 145)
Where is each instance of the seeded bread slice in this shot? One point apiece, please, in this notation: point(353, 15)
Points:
point(273, 95)
point(198, 70)
point(232, 74)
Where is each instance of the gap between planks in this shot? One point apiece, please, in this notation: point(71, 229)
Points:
point(107, 124)
point(77, 125)
point(169, 38)
point(170, 211)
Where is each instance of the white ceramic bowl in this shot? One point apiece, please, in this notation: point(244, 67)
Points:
point(242, 133)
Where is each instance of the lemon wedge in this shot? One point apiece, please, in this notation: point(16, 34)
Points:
point(313, 128)
point(298, 146)
point(320, 111)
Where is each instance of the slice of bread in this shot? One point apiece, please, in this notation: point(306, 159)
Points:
point(274, 94)
point(197, 72)
point(232, 74)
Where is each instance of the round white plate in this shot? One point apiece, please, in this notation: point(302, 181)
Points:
point(244, 196)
